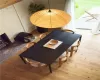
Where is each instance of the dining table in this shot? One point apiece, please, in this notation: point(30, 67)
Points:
point(46, 55)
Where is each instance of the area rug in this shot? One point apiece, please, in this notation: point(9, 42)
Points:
point(11, 50)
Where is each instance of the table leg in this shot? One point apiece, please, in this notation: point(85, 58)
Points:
point(80, 38)
point(50, 68)
point(23, 59)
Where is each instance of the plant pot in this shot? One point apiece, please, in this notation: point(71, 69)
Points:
point(42, 30)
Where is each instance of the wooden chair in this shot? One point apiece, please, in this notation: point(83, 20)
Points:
point(67, 30)
point(71, 50)
point(75, 46)
point(32, 62)
point(63, 58)
point(40, 36)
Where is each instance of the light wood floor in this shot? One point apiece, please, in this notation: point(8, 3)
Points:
point(84, 65)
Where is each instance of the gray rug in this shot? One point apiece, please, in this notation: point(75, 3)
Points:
point(11, 50)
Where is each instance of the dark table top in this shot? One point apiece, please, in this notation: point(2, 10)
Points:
point(46, 55)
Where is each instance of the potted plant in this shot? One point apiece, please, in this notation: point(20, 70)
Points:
point(33, 7)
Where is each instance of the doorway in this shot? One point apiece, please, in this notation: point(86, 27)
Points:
point(86, 14)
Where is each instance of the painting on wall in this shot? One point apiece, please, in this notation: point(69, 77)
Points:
point(5, 3)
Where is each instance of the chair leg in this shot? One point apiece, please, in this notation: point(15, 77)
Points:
point(71, 52)
point(76, 50)
point(66, 56)
point(40, 67)
point(67, 53)
point(77, 46)
point(26, 60)
point(60, 62)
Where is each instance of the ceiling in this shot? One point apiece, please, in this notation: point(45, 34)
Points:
point(5, 3)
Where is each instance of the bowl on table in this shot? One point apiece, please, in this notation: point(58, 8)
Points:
point(53, 42)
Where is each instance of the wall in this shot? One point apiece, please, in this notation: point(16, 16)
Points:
point(69, 8)
point(57, 4)
point(16, 17)
point(9, 22)
point(13, 17)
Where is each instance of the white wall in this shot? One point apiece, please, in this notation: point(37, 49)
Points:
point(15, 17)
point(69, 8)
point(22, 11)
point(10, 22)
